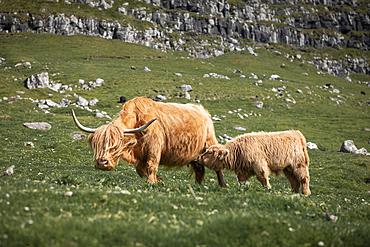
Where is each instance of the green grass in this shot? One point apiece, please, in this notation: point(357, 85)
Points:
point(34, 210)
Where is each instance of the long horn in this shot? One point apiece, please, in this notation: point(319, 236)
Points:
point(137, 130)
point(80, 126)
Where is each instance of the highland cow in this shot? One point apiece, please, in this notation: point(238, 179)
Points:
point(180, 133)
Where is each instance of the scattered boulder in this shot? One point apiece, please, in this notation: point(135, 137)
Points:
point(348, 147)
point(29, 144)
point(362, 151)
point(99, 115)
point(9, 171)
point(226, 138)
point(93, 102)
point(38, 125)
point(274, 77)
point(187, 96)
point(258, 104)
point(240, 128)
point(178, 74)
point(215, 118)
point(38, 81)
point(51, 103)
point(55, 87)
point(311, 145)
point(146, 69)
point(160, 98)
point(186, 88)
point(65, 103)
point(82, 101)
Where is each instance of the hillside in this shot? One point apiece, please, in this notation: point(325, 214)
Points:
point(207, 28)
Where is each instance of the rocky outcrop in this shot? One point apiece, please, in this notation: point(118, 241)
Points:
point(298, 23)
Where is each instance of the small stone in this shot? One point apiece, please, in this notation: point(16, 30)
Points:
point(68, 194)
point(29, 144)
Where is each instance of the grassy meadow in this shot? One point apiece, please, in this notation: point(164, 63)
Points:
point(118, 208)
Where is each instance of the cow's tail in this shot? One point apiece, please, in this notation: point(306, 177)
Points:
point(199, 171)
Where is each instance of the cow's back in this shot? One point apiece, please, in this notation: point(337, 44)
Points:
point(181, 131)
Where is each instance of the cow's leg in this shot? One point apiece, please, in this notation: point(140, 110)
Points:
point(152, 166)
point(294, 183)
point(301, 173)
point(220, 178)
point(141, 169)
point(262, 172)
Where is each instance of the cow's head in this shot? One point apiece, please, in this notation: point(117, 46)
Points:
point(109, 142)
point(213, 157)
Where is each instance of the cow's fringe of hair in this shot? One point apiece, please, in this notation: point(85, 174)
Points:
point(109, 143)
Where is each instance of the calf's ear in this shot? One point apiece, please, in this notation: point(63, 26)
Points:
point(222, 154)
point(214, 150)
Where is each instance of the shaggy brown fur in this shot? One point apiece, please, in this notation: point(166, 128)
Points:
point(180, 134)
point(259, 153)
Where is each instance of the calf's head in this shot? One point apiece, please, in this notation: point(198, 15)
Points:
point(213, 157)
point(109, 142)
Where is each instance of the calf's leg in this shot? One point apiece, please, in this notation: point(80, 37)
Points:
point(262, 172)
point(220, 178)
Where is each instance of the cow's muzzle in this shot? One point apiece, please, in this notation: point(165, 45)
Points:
point(103, 165)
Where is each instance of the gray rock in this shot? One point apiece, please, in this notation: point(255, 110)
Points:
point(29, 144)
point(348, 147)
point(160, 98)
point(9, 171)
point(38, 81)
point(274, 77)
point(38, 125)
point(99, 115)
point(240, 128)
point(362, 151)
point(146, 69)
point(186, 88)
point(50, 103)
point(93, 102)
point(55, 87)
point(187, 96)
point(65, 103)
point(258, 104)
point(82, 101)
point(311, 145)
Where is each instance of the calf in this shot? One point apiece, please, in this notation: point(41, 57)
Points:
point(259, 153)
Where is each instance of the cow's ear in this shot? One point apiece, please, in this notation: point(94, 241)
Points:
point(222, 154)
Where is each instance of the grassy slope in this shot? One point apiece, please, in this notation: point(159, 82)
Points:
point(97, 214)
